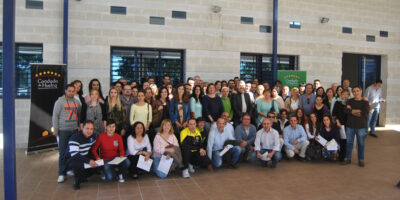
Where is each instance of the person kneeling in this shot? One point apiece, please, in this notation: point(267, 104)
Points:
point(193, 149)
point(111, 145)
point(78, 154)
point(267, 144)
point(295, 139)
point(219, 139)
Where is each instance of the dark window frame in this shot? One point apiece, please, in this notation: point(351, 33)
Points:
point(246, 20)
point(118, 10)
point(152, 18)
point(34, 4)
point(295, 24)
point(159, 73)
point(347, 30)
point(178, 14)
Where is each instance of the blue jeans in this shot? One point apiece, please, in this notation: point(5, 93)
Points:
point(372, 119)
point(156, 162)
point(275, 159)
point(360, 133)
point(329, 153)
point(63, 138)
point(234, 151)
point(109, 170)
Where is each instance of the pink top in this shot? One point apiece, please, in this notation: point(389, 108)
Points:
point(87, 99)
point(159, 144)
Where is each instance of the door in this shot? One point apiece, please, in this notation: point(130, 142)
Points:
point(361, 69)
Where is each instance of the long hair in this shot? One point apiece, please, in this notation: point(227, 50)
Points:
point(311, 125)
point(331, 124)
point(165, 121)
point(160, 91)
point(185, 96)
point(303, 118)
point(91, 87)
point(194, 95)
point(118, 103)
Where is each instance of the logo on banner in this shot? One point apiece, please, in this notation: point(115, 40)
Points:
point(47, 80)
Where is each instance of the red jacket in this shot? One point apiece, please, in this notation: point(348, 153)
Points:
point(109, 147)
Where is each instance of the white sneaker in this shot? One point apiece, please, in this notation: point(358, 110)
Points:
point(185, 173)
point(103, 177)
point(70, 173)
point(61, 179)
point(121, 178)
point(191, 169)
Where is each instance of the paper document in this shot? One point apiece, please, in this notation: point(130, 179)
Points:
point(229, 146)
point(322, 140)
point(145, 165)
point(264, 157)
point(165, 164)
point(116, 160)
point(332, 145)
point(342, 132)
point(99, 163)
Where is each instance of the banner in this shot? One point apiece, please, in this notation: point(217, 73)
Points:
point(292, 78)
point(47, 84)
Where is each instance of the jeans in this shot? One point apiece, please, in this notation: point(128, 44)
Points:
point(360, 133)
point(329, 153)
point(109, 170)
point(156, 162)
point(275, 159)
point(234, 152)
point(63, 138)
point(372, 119)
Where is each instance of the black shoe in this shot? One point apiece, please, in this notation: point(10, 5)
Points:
point(300, 159)
point(273, 165)
point(135, 176)
point(373, 135)
point(76, 186)
point(361, 163)
point(345, 162)
point(234, 166)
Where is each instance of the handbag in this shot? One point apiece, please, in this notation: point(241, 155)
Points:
point(314, 151)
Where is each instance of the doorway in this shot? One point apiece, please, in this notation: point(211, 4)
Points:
point(361, 69)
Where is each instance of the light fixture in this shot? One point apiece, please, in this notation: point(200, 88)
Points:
point(324, 20)
point(216, 9)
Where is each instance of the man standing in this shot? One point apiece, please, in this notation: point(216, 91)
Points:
point(65, 121)
point(127, 99)
point(221, 138)
point(307, 100)
point(241, 103)
point(267, 140)
point(374, 95)
point(166, 80)
point(346, 85)
point(248, 91)
point(79, 153)
point(295, 139)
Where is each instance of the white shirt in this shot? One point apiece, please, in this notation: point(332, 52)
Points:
point(294, 104)
point(134, 146)
point(244, 107)
point(374, 96)
point(267, 140)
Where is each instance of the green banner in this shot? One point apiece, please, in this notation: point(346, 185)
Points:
point(292, 78)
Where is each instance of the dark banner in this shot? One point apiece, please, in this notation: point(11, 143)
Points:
point(47, 84)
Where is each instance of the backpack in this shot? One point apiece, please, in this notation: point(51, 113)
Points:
point(314, 150)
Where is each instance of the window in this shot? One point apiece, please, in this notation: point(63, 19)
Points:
point(118, 10)
point(138, 64)
point(370, 38)
point(157, 20)
point(246, 20)
point(265, 29)
point(260, 66)
point(294, 24)
point(34, 4)
point(348, 30)
point(25, 54)
point(179, 14)
point(384, 33)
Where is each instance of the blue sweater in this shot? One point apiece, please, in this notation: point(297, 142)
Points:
point(79, 146)
point(174, 113)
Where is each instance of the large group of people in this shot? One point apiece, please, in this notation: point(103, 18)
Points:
point(208, 125)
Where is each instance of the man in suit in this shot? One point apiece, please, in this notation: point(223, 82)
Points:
point(241, 103)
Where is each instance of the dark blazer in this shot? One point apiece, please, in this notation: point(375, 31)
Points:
point(236, 102)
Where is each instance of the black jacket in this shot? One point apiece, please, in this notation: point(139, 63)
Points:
point(236, 102)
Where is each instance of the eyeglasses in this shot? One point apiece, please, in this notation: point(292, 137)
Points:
point(308, 100)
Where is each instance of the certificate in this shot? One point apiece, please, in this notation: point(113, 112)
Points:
point(99, 163)
point(116, 160)
point(229, 146)
point(321, 140)
point(165, 164)
point(145, 165)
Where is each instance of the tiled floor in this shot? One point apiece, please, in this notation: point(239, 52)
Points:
point(37, 175)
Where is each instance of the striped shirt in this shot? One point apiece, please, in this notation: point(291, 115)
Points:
point(79, 146)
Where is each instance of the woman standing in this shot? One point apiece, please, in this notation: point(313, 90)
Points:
point(320, 109)
point(340, 117)
point(138, 144)
point(78, 91)
point(278, 99)
point(141, 111)
point(265, 106)
point(196, 99)
point(160, 108)
point(95, 84)
point(218, 87)
point(115, 110)
point(260, 92)
point(96, 112)
point(226, 102)
point(301, 118)
point(292, 103)
point(165, 143)
point(212, 105)
point(179, 109)
point(357, 111)
point(329, 99)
